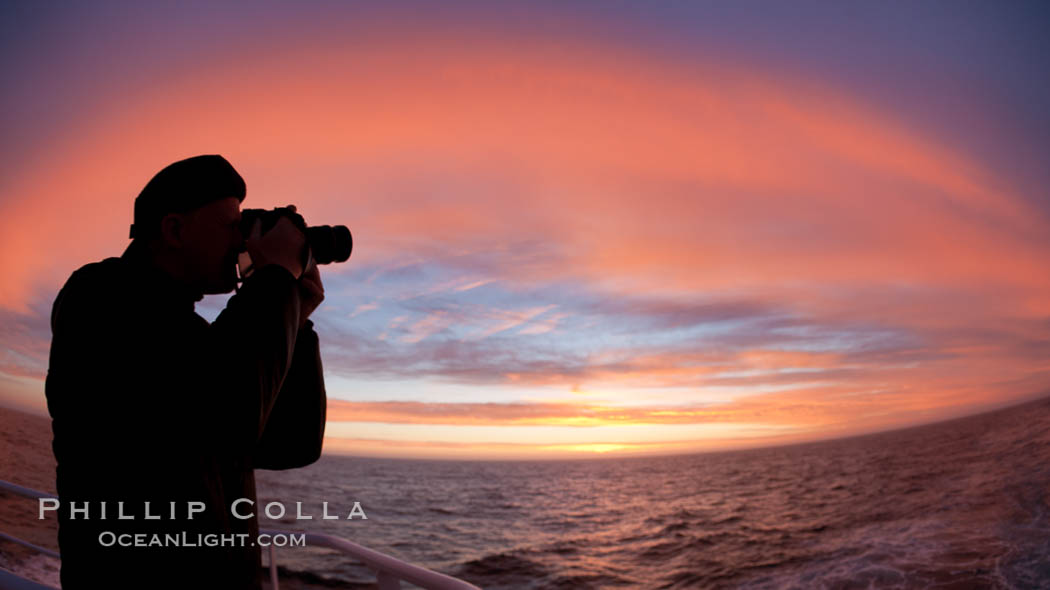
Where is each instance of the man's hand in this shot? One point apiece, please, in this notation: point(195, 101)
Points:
point(311, 292)
point(283, 245)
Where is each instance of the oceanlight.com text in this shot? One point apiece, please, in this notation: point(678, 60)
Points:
point(241, 509)
point(184, 539)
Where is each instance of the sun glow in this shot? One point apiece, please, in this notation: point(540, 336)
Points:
point(598, 448)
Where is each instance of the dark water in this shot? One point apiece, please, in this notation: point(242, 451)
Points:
point(962, 504)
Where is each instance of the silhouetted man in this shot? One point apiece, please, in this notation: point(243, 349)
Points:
point(151, 403)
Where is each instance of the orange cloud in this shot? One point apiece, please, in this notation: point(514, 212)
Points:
point(764, 421)
point(679, 178)
point(581, 163)
point(852, 409)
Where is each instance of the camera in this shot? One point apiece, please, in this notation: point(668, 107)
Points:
point(328, 243)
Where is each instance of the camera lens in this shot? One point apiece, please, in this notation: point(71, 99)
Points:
point(330, 243)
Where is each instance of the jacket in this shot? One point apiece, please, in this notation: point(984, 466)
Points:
point(152, 404)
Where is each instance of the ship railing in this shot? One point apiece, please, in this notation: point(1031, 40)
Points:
point(390, 571)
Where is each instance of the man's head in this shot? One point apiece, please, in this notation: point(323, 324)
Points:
point(188, 217)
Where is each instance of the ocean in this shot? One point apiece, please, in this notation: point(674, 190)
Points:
point(959, 504)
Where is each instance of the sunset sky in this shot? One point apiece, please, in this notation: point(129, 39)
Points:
point(580, 228)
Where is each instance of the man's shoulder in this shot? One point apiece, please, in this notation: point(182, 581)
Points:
point(91, 285)
point(96, 275)
point(110, 265)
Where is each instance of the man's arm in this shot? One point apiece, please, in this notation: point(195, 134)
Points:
point(295, 426)
point(250, 349)
point(263, 323)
